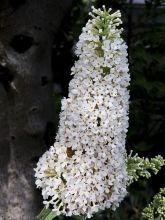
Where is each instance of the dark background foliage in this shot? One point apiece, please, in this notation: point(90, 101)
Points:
point(144, 32)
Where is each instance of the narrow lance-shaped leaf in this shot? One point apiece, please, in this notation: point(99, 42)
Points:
point(46, 214)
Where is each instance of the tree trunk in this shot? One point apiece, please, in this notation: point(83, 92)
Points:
point(27, 29)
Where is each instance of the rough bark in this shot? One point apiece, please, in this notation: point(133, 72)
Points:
point(27, 29)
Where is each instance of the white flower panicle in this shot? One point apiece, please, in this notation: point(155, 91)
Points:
point(85, 171)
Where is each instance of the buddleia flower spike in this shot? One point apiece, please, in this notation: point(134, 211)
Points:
point(85, 170)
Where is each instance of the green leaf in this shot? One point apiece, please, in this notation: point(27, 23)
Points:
point(143, 146)
point(46, 214)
